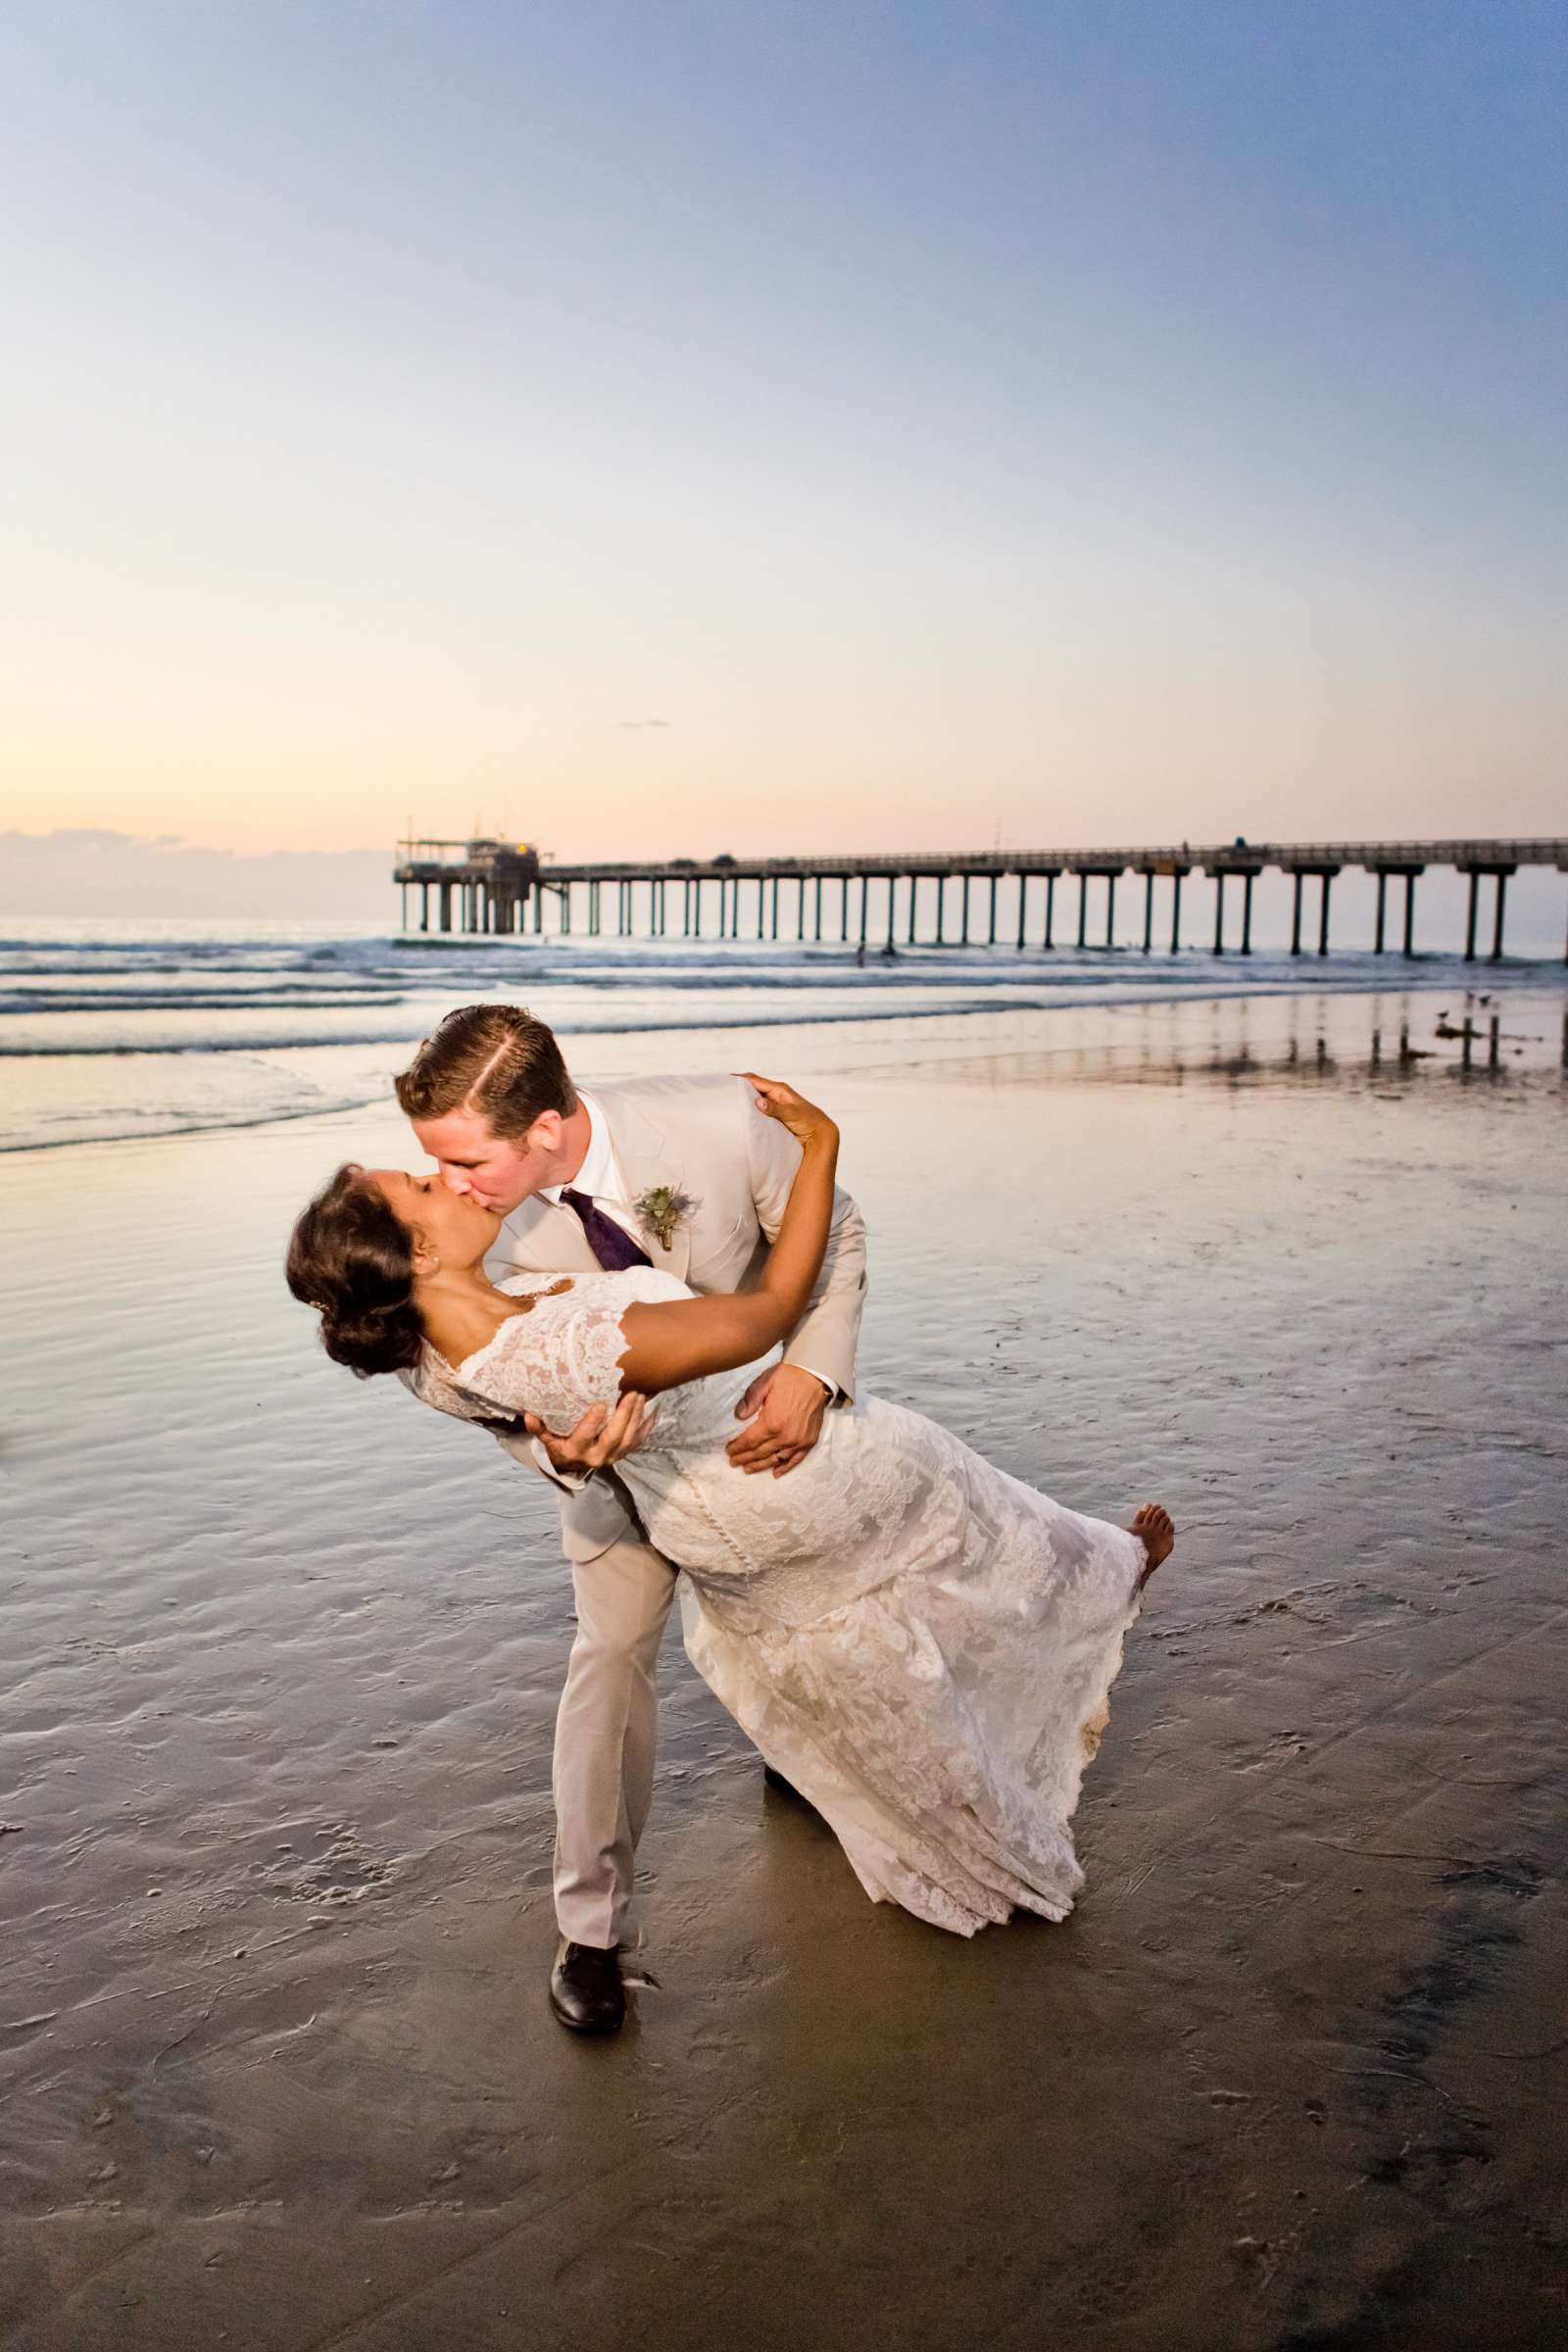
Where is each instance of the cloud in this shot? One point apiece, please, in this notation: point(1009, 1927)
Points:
point(91, 871)
point(633, 724)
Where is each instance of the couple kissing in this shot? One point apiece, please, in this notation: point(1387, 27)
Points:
point(920, 1644)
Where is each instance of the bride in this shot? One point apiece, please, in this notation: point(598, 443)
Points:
point(922, 1645)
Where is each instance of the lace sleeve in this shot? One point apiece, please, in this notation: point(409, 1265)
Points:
point(597, 1345)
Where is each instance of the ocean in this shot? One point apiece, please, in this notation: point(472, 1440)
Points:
point(113, 1029)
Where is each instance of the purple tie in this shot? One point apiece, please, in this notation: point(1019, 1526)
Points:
point(609, 1243)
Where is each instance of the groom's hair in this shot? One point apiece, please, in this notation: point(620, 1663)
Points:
point(493, 1059)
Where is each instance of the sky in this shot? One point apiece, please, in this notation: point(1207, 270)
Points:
point(661, 428)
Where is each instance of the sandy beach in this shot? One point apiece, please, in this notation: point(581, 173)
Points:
point(280, 1661)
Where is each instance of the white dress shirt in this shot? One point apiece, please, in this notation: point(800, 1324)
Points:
point(600, 1175)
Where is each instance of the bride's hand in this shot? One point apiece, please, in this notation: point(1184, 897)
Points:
point(776, 1100)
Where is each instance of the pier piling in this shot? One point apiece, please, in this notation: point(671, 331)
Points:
point(1499, 870)
point(1407, 874)
point(1151, 869)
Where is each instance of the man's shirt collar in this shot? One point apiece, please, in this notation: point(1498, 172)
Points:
point(600, 1175)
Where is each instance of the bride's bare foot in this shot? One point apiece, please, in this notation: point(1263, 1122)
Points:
point(1154, 1525)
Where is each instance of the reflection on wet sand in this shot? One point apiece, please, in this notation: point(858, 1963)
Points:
point(1240, 1041)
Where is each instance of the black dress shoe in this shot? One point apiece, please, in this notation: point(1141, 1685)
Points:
point(586, 1992)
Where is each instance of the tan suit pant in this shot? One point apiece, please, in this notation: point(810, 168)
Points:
point(607, 1736)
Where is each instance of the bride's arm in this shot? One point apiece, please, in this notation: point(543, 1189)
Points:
point(682, 1339)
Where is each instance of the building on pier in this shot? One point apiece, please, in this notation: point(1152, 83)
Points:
point(487, 887)
point(492, 886)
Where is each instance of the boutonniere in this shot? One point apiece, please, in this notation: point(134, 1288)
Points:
point(660, 1209)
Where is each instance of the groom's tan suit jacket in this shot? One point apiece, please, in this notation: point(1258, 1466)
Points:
point(705, 1138)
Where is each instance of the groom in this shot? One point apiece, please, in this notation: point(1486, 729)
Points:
point(686, 1175)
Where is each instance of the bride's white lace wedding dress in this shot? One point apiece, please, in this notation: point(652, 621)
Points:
point(922, 1645)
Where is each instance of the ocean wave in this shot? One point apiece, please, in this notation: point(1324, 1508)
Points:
point(628, 1025)
point(1065, 989)
point(107, 1129)
point(558, 987)
point(21, 1004)
point(661, 961)
point(108, 1038)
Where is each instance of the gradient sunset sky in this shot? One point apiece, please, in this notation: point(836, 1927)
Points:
point(666, 428)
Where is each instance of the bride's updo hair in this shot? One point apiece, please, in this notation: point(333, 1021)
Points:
point(352, 1259)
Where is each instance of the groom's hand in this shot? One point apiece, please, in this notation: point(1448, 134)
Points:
point(603, 1434)
point(785, 1409)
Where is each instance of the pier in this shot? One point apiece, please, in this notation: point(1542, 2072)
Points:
point(482, 886)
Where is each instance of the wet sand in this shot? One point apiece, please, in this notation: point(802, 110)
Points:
point(280, 1659)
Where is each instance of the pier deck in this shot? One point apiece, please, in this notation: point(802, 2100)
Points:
point(497, 885)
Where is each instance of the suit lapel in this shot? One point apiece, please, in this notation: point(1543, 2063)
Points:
point(541, 1237)
point(646, 1160)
